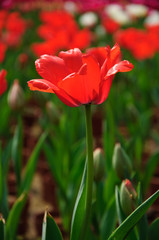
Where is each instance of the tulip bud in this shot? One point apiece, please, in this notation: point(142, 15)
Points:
point(16, 96)
point(128, 197)
point(121, 162)
point(52, 112)
point(99, 164)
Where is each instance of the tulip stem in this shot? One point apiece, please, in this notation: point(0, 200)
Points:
point(89, 180)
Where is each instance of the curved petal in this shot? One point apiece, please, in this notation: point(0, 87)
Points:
point(83, 88)
point(115, 54)
point(74, 86)
point(45, 86)
point(104, 90)
point(72, 59)
point(93, 74)
point(51, 68)
point(100, 53)
point(66, 99)
point(123, 66)
point(113, 57)
point(41, 85)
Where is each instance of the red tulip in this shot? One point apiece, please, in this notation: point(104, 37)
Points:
point(60, 31)
point(3, 82)
point(3, 49)
point(138, 41)
point(110, 25)
point(78, 78)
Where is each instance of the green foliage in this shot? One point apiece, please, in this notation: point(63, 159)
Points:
point(50, 229)
point(121, 232)
point(79, 210)
point(31, 166)
point(14, 217)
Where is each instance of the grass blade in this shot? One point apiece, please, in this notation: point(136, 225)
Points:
point(121, 232)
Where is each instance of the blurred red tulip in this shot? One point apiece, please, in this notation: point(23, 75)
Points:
point(3, 49)
point(153, 32)
point(78, 78)
point(3, 82)
point(60, 31)
point(12, 27)
point(110, 25)
point(137, 41)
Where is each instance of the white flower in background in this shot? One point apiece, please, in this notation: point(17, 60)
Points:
point(116, 12)
point(152, 18)
point(70, 7)
point(88, 19)
point(137, 10)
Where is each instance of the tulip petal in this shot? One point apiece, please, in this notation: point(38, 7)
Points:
point(41, 85)
point(66, 99)
point(113, 57)
point(83, 88)
point(45, 86)
point(100, 53)
point(115, 54)
point(104, 90)
point(72, 59)
point(123, 66)
point(51, 68)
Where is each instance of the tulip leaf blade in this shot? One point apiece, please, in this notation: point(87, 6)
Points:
point(143, 223)
point(109, 220)
point(50, 229)
point(2, 228)
point(31, 165)
point(151, 165)
point(16, 150)
point(153, 232)
point(14, 215)
point(121, 232)
point(79, 210)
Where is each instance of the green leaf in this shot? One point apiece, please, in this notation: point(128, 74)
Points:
point(153, 231)
point(2, 228)
point(54, 167)
point(143, 223)
point(79, 210)
point(6, 158)
point(121, 232)
point(120, 213)
point(108, 221)
point(14, 216)
point(4, 163)
point(17, 150)
point(50, 230)
point(150, 168)
point(31, 165)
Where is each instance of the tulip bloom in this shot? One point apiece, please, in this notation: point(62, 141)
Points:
point(3, 82)
point(140, 43)
point(78, 78)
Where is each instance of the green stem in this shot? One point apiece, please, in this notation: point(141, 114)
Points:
point(89, 181)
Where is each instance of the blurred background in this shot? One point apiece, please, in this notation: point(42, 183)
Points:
point(51, 169)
